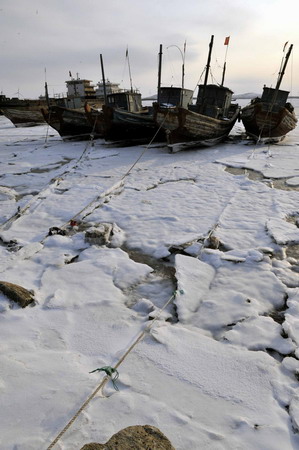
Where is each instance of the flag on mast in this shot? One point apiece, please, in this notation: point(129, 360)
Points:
point(226, 41)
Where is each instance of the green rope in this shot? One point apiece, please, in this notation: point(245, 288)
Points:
point(109, 372)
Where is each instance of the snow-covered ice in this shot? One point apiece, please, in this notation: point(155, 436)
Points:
point(218, 366)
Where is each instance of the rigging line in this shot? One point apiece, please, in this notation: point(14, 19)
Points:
point(48, 126)
point(147, 147)
point(269, 113)
point(200, 78)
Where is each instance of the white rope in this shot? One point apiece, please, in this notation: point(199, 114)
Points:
point(104, 381)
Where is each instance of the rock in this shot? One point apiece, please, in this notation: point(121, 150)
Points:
point(138, 437)
point(213, 242)
point(17, 293)
point(104, 234)
point(99, 235)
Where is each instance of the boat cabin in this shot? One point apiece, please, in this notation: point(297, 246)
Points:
point(175, 96)
point(79, 88)
point(110, 88)
point(275, 98)
point(127, 100)
point(213, 100)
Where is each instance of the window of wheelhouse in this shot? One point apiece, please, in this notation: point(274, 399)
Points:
point(118, 101)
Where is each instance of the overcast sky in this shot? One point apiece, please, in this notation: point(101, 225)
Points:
point(69, 35)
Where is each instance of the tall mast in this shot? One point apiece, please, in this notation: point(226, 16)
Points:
point(103, 78)
point(281, 74)
point(183, 66)
point(223, 74)
point(209, 60)
point(46, 89)
point(202, 102)
point(127, 55)
point(159, 75)
point(47, 94)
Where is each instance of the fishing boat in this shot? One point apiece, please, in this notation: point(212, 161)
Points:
point(70, 123)
point(23, 112)
point(269, 118)
point(126, 119)
point(123, 118)
point(68, 115)
point(206, 123)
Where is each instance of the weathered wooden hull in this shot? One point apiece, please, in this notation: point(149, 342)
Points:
point(187, 129)
point(24, 116)
point(124, 125)
point(268, 124)
point(71, 124)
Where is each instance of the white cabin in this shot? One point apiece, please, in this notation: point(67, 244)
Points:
point(111, 88)
point(80, 88)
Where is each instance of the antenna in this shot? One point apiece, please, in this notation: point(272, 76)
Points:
point(183, 54)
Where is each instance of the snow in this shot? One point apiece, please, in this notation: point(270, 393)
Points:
point(217, 366)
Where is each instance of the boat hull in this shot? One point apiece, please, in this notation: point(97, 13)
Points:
point(24, 117)
point(266, 123)
point(188, 129)
point(71, 124)
point(125, 125)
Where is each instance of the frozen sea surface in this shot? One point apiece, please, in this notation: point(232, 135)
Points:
point(210, 233)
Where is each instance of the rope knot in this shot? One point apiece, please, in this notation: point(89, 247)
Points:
point(109, 371)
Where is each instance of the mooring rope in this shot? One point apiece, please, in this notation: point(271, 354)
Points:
point(54, 182)
point(109, 371)
point(117, 185)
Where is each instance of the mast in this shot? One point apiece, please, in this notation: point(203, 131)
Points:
point(209, 60)
point(281, 74)
point(46, 89)
point(202, 103)
point(183, 66)
point(223, 74)
point(47, 94)
point(127, 55)
point(103, 77)
point(159, 74)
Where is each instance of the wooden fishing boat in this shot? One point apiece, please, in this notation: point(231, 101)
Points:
point(129, 122)
point(122, 117)
point(23, 112)
point(206, 123)
point(126, 119)
point(269, 118)
point(70, 123)
point(68, 115)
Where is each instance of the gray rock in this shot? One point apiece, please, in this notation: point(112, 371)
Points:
point(138, 437)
